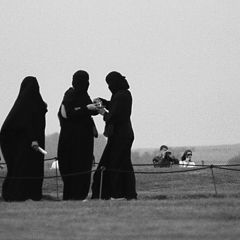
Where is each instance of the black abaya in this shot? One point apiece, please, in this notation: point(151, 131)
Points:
point(24, 124)
point(118, 178)
point(75, 147)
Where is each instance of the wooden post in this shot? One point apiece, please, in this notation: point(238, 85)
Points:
point(102, 169)
point(214, 183)
point(56, 171)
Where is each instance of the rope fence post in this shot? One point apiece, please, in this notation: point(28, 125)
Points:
point(56, 171)
point(102, 169)
point(214, 182)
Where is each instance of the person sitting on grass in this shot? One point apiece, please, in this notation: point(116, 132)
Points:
point(186, 159)
point(164, 158)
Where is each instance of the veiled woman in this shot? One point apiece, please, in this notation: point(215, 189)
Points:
point(21, 134)
point(118, 177)
point(75, 146)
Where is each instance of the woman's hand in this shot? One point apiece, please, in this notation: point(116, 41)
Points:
point(102, 111)
point(100, 102)
point(35, 145)
point(96, 100)
point(92, 107)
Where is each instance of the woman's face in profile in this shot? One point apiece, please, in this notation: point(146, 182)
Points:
point(111, 88)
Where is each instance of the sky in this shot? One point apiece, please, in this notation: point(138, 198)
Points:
point(180, 57)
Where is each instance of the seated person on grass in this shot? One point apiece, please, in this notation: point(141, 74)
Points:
point(164, 158)
point(186, 159)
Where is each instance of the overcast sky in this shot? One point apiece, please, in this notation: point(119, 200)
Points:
point(181, 58)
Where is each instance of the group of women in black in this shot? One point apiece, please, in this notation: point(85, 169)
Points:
point(22, 134)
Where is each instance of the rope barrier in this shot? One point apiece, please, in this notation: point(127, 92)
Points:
point(136, 172)
point(49, 177)
point(109, 170)
point(103, 169)
point(229, 169)
point(159, 166)
point(155, 165)
point(232, 165)
point(167, 172)
point(45, 160)
point(196, 165)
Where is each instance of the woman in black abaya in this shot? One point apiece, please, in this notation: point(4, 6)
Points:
point(118, 177)
point(75, 146)
point(21, 134)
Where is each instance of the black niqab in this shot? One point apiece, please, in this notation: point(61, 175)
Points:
point(116, 82)
point(28, 100)
point(80, 81)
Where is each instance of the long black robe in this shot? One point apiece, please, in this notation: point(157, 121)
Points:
point(117, 153)
point(75, 146)
point(25, 123)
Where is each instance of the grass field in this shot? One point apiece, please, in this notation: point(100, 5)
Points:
point(169, 206)
point(199, 218)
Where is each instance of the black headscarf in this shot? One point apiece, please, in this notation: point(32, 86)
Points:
point(28, 100)
point(116, 82)
point(77, 95)
point(80, 84)
point(80, 81)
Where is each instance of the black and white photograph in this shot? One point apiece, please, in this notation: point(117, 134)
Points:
point(120, 119)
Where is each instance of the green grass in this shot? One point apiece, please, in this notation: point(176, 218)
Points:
point(200, 218)
point(169, 206)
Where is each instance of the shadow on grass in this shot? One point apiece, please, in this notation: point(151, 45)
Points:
point(153, 196)
point(188, 196)
point(44, 198)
